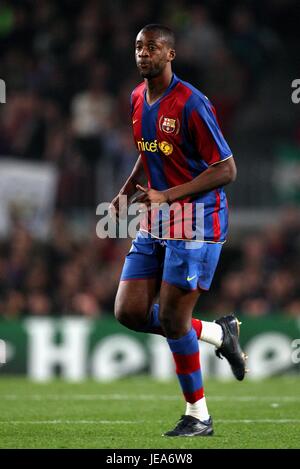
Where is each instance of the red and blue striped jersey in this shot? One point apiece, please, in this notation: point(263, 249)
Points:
point(178, 138)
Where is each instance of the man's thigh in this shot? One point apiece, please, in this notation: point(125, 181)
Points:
point(141, 276)
point(176, 309)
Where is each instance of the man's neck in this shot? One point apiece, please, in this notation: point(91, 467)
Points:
point(157, 86)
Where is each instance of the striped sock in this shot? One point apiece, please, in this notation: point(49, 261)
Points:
point(186, 356)
point(154, 327)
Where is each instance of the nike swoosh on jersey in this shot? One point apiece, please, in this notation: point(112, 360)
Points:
point(190, 278)
point(135, 120)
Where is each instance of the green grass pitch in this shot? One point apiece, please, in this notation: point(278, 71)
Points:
point(134, 412)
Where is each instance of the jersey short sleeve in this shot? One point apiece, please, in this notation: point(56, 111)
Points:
point(206, 133)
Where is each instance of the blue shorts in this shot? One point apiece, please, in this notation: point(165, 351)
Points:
point(185, 264)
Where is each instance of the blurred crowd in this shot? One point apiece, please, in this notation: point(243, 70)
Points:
point(60, 276)
point(261, 275)
point(69, 69)
point(258, 276)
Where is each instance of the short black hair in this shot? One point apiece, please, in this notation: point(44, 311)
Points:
point(162, 31)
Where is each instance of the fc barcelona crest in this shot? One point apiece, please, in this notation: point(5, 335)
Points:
point(169, 125)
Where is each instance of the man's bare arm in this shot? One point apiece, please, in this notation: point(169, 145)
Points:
point(137, 176)
point(213, 177)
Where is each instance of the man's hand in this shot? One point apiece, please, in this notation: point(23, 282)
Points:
point(150, 196)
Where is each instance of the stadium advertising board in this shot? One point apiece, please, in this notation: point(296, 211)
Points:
point(27, 193)
point(78, 348)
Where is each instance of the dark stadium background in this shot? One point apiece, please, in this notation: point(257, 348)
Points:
point(69, 70)
point(65, 147)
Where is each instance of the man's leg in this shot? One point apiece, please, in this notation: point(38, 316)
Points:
point(222, 333)
point(139, 286)
point(133, 302)
point(176, 308)
point(140, 283)
point(134, 307)
point(191, 266)
point(154, 326)
point(206, 331)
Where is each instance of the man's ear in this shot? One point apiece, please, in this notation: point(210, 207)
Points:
point(171, 55)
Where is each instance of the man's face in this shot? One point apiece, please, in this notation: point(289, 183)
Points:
point(152, 54)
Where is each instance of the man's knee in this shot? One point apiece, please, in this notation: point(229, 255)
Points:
point(173, 327)
point(130, 317)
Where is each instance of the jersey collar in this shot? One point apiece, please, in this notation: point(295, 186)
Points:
point(171, 86)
